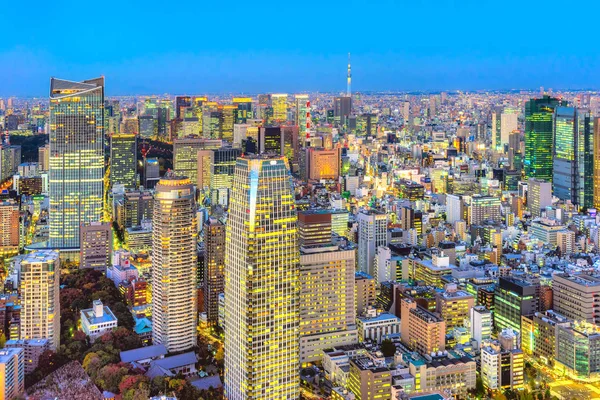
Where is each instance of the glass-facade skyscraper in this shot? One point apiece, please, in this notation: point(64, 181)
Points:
point(76, 158)
point(573, 161)
point(262, 283)
point(123, 160)
point(539, 137)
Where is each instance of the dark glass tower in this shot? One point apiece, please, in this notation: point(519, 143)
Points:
point(539, 137)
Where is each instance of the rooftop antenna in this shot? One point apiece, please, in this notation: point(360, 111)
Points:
point(348, 90)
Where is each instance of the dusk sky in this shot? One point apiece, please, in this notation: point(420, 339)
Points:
point(153, 47)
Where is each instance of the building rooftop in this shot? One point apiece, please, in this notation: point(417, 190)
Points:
point(176, 361)
point(93, 319)
point(380, 317)
point(7, 354)
point(583, 280)
point(143, 353)
point(41, 256)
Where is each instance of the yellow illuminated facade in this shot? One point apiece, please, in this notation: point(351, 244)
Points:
point(262, 283)
point(76, 158)
point(279, 102)
point(39, 288)
point(174, 264)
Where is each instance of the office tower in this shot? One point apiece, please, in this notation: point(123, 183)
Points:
point(123, 160)
point(485, 208)
point(539, 196)
point(368, 380)
point(573, 156)
point(228, 118)
point(39, 287)
point(514, 298)
point(12, 373)
point(222, 166)
point(302, 113)
point(279, 102)
point(481, 324)
point(262, 289)
point(44, 157)
point(496, 127)
point(420, 329)
point(327, 316)
point(501, 368)
point(96, 245)
point(181, 103)
point(578, 351)
point(596, 153)
point(214, 265)
point(244, 109)
point(185, 155)
point(411, 219)
point(342, 108)
point(582, 287)
point(314, 227)
point(454, 208)
point(271, 140)
point(539, 145)
point(174, 264)
point(453, 306)
point(504, 122)
point(151, 172)
point(9, 227)
point(515, 155)
point(372, 233)
point(77, 161)
point(133, 208)
point(10, 158)
point(539, 338)
point(323, 164)
point(291, 145)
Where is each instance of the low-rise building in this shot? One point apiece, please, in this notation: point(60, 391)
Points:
point(377, 327)
point(369, 380)
point(97, 320)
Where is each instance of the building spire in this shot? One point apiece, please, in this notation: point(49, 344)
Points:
point(348, 90)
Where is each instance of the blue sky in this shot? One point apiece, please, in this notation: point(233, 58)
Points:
point(157, 46)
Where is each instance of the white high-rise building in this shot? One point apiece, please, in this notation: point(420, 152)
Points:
point(481, 324)
point(40, 302)
point(539, 196)
point(174, 264)
point(372, 233)
point(509, 122)
point(454, 208)
point(262, 288)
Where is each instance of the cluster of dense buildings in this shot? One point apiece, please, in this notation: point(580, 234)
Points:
point(392, 245)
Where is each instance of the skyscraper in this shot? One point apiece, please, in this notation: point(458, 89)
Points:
point(123, 160)
point(342, 108)
point(597, 163)
point(539, 144)
point(185, 155)
point(40, 307)
point(9, 227)
point(573, 161)
point(372, 233)
point(244, 109)
point(539, 196)
point(76, 158)
point(279, 102)
point(214, 264)
point(262, 283)
point(174, 264)
point(302, 113)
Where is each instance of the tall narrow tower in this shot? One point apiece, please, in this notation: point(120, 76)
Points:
point(262, 283)
point(174, 264)
point(348, 90)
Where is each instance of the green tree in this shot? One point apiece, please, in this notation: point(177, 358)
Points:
point(388, 348)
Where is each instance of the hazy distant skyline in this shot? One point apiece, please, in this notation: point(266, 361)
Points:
point(151, 47)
